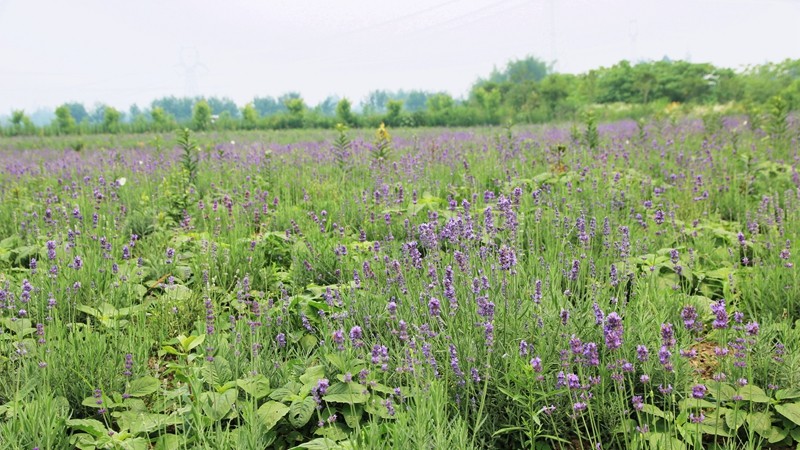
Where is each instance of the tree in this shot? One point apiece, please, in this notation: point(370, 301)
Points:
point(161, 119)
point(344, 113)
point(179, 108)
point(21, 123)
point(268, 106)
point(296, 107)
point(250, 117)
point(111, 119)
point(201, 116)
point(517, 71)
point(77, 111)
point(65, 123)
point(375, 103)
point(222, 105)
point(394, 109)
point(327, 107)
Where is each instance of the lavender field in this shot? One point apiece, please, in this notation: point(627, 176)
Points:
point(625, 286)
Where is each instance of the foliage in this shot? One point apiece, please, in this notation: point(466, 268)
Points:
point(470, 288)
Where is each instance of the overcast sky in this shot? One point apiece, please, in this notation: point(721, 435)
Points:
point(123, 52)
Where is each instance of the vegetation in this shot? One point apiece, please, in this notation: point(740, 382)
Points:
point(617, 285)
point(526, 91)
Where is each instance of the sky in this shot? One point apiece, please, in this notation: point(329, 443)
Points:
point(123, 52)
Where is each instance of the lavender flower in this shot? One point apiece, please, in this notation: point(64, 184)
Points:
point(613, 331)
point(699, 391)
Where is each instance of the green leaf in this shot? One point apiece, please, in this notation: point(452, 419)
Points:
point(138, 422)
point(735, 419)
point(272, 412)
point(312, 374)
point(790, 410)
point(786, 394)
point(143, 386)
point(138, 443)
point(350, 393)
point(256, 386)
point(20, 327)
point(721, 391)
point(216, 372)
point(664, 441)
point(760, 422)
point(352, 415)
point(300, 411)
point(91, 426)
point(775, 434)
point(188, 343)
point(215, 405)
point(91, 402)
point(169, 442)
point(654, 410)
point(323, 444)
point(753, 393)
point(695, 403)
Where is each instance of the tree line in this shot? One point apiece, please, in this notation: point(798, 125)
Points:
point(526, 90)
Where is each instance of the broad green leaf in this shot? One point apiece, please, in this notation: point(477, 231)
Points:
point(790, 410)
point(190, 342)
point(271, 413)
point(215, 405)
point(352, 415)
point(654, 411)
point(350, 393)
point(91, 402)
point(735, 419)
point(138, 422)
point(20, 327)
point(143, 386)
point(760, 422)
point(786, 394)
point(664, 441)
point(312, 374)
point(753, 393)
point(300, 411)
point(216, 372)
point(282, 393)
point(138, 443)
point(170, 442)
point(775, 434)
point(256, 386)
point(721, 391)
point(695, 403)
point(91, 426)
point(324, 444)
point(335, 431)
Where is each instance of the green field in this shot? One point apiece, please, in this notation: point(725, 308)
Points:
point(615, 286)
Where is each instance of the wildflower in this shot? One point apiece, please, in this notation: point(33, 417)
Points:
point(434, 307)
point(536, 364)
point(638, 402)
point(319, 390)
point(667, 335)
point(721, 315)
point(613, 331)
point(642, 354)
point(128, 365)
point(699, 391)
point(599, 317)
point(591, 354)
point(355, 335)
